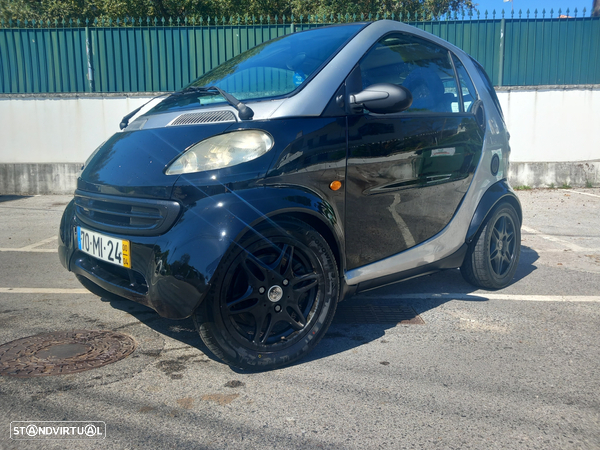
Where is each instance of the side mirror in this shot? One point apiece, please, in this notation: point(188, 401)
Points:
point(382, 98)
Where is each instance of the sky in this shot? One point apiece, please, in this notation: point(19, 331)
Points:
point(498, 5)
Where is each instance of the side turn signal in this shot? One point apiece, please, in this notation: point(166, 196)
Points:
point(335, 185)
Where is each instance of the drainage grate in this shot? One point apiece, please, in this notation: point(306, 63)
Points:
point(63, 352)
point(374, 314)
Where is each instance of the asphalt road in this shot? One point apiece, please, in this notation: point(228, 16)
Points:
point(512, 369)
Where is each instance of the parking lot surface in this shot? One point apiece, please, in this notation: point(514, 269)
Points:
point(510, 369)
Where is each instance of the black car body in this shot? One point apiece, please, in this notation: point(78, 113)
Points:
point(371, 153)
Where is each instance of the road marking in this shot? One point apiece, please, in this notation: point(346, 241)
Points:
point(582, 193)
point(37, 244)
point(427, 296)
point(30, 250)
point(32, 247)
point(486, 296)
point(547, 250)
point(8, 290)
point(569, 245)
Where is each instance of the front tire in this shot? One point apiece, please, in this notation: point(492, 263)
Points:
point(493, 256)
point(273, 298)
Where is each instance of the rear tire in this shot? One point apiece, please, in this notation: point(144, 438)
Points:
point(493, 256)
point(273, 298)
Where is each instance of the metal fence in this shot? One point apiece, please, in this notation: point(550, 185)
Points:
point(135, 55)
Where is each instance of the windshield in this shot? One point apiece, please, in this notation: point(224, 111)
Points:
point(273, 69)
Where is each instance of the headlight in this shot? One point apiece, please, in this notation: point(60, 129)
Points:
point(225, 150)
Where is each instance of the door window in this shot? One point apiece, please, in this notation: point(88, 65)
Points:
point(422, 67)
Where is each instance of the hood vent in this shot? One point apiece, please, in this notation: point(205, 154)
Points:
point(204, 117)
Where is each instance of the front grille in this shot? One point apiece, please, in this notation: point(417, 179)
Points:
point(124, 215)
point(204, 117)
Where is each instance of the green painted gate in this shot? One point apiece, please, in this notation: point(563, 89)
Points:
point(157, 56)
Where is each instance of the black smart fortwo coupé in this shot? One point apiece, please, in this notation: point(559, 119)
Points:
point(310, 167)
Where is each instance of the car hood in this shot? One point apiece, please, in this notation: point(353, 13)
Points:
point(133, 163)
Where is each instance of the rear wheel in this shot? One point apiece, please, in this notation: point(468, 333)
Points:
point(273, 299)
point(493, 256)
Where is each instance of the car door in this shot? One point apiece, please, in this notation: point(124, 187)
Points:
point(408, 172)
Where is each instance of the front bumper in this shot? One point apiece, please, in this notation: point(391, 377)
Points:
point(169, 273)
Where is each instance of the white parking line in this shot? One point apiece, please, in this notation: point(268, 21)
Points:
point(33, 247)
point(489, 296)
point(427, 296)
point(567, 244)
point(9, 290)
point(582, 193)
point(37, 244)
point(546, 250)
point(30, 250)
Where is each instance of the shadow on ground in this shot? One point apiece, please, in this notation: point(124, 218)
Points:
point(10, 198)
point(342, 336)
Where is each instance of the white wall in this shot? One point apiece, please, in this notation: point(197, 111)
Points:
point(545, 125)
point(59, 130)
point(553, 125)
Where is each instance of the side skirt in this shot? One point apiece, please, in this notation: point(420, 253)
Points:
point(450, 262)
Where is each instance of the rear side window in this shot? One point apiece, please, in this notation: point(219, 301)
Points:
point(488, 86)
point(469, 95)
point(422, 67)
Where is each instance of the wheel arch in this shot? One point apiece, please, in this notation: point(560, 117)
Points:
point(319, 224)
point(498, 193)
point(312, 210)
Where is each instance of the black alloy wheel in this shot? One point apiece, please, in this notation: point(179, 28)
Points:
point(493, 256)
point(502, 245)
point(273, 299)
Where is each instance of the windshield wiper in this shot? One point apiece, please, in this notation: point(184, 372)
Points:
point(125, 120)
point(245, 112)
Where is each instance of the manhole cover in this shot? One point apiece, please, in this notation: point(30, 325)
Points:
point(374, 314)
point(63, 352)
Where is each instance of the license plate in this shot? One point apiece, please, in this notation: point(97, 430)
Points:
point(98, 245)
